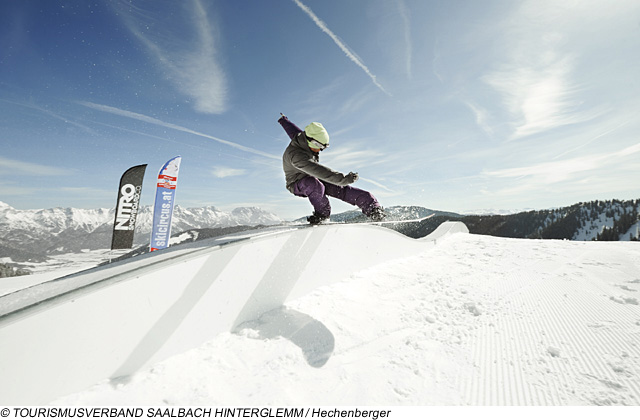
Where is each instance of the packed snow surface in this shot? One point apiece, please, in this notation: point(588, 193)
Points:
point(475, 320)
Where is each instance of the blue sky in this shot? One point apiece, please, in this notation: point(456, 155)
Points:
point(452, 105)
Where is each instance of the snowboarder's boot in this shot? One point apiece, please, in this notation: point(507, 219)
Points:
point(377, 214)
point(316, 219)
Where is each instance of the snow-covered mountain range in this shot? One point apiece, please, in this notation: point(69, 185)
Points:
point(32, 234)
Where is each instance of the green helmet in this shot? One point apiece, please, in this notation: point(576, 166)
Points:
point(317, 132)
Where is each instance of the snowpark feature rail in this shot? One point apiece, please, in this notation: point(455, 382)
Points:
point(70, 333)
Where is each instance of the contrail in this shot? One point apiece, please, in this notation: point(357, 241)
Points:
point(377, 184)
point(155, 121)
point(592, 140)
point(52, 115)
point(352, 56)
point(404, 13)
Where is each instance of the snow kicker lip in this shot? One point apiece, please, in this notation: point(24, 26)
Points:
point(13, 305)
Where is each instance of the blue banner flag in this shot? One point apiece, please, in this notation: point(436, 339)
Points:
point(165, 200)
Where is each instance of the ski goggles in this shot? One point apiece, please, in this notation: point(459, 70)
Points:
point(315, 144)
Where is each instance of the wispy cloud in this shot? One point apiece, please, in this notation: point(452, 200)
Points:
point(85, 190)
point(17, 191)
point(482, 117)
point(348, 52)
point(539, 98)
point(224, 172)
point(352, 157)
point(436, 62)
point(184, 46)
point(544, 174)
point(155, 121)
point(538, 67)
point(17, 167)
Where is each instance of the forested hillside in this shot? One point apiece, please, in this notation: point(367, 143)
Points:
point(612, 220)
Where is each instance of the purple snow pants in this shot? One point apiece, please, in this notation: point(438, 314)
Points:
point(317, 192)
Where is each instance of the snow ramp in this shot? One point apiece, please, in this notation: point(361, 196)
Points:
point(70, 333)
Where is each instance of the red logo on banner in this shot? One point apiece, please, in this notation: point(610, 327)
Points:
point(168, 182)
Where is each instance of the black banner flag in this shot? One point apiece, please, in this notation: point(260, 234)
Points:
point(127, 207)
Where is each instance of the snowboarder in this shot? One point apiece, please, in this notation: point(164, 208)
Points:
point(306, 177)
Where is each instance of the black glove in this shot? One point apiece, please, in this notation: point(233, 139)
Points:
point(351, 177)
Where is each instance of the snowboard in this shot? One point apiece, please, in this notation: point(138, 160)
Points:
point(369, 222)
point(381, 222)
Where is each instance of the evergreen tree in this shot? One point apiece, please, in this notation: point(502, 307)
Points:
point(8, 271)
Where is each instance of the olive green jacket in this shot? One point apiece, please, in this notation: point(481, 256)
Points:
point(299, 161)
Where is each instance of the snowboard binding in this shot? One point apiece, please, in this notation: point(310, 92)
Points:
point(316, 219)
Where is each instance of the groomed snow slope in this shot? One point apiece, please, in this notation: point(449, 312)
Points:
point(475, 320)
point(65, 335)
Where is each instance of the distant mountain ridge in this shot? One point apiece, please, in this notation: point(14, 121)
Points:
point(610, 220)
point(31, 235)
